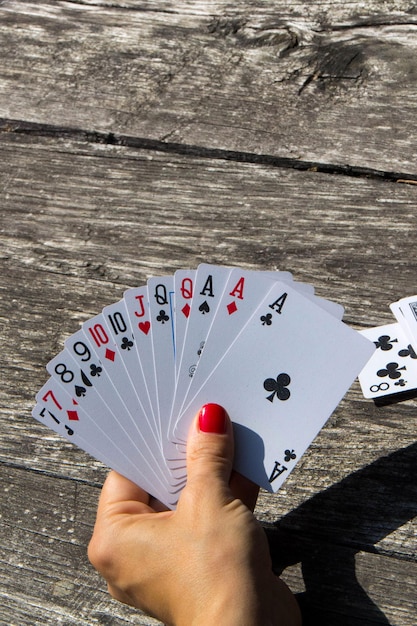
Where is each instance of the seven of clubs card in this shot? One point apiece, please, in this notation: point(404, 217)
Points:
point(279, 359)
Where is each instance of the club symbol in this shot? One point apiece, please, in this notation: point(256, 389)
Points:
point(408, 351)
point(95, 370)
point(126, 344)
point(162, 317)
point(392, 370)
point(200, 350)
point(278, 386)
point(266, 319)
point(289, 455)
point(400, 383)
point(385, 342)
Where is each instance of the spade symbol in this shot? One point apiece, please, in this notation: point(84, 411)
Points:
point(80, 391)
point(86, 380)
point(204, 307)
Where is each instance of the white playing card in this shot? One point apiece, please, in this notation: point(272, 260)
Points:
point(98, 341)
point(133, 385)
point(161, 313)
point(280, 381)
point(209, 284)
point(119, 326)
point(392, 368)
point(184, 291)
point(56, 409)
point(108, 348)
point(405, 310)
point(243, 291)
point(79, 370)
point(306, 289)
point(93, 421)
point(137, 306)
point(242, 294)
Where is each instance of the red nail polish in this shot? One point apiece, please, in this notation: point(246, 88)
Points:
point(212, 419)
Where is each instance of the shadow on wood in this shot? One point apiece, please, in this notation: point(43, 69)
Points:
point(325, 534)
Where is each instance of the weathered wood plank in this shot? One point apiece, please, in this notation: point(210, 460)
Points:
point(46, 524)
point(331, 83)
point(118, 214)
point(82, 221)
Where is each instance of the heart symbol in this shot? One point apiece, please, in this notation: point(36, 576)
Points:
point(144, 327)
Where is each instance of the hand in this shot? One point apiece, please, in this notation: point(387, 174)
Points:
point(205, 563)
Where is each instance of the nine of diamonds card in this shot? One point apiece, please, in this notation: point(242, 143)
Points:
point(127, 385)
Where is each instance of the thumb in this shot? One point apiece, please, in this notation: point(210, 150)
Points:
point(210, 455)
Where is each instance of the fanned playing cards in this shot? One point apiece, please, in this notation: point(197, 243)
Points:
point(128, 384)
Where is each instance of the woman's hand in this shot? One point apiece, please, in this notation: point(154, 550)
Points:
point(207, 562)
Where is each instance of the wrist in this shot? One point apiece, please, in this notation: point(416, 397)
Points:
point(269, 604)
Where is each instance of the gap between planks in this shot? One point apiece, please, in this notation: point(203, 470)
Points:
point(20, 127)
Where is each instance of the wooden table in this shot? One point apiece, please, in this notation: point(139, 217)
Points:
point(137, 138)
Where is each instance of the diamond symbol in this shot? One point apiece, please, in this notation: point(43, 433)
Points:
point(72, 415)
point(186, 310)
point(232, 308)
point(110, 354)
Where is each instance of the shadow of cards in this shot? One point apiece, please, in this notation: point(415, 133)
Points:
point(326, 532)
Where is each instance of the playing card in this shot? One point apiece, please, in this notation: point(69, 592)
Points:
point(137, 306)
point(110, 338)
point(405, 310)
point(183, 296)
point(280, 381)
point(79, 370)
point(161, 313)
point(112, 382)
point(210, 281)
point(277, 357)
point(241, 295)
point(119, 327)
point(393, 366)
point(100, 436)
point(56, 409)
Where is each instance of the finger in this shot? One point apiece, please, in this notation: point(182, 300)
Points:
point(120, 495)
point(210, 454)
point(244, 489)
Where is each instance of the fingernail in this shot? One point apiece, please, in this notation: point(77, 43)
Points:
point(212, 419)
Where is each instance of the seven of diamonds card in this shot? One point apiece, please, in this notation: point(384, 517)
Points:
point(127, 385)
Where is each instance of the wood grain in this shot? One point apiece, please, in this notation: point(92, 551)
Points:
point(138, 138)
point(331, 84)
point(82, 222)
